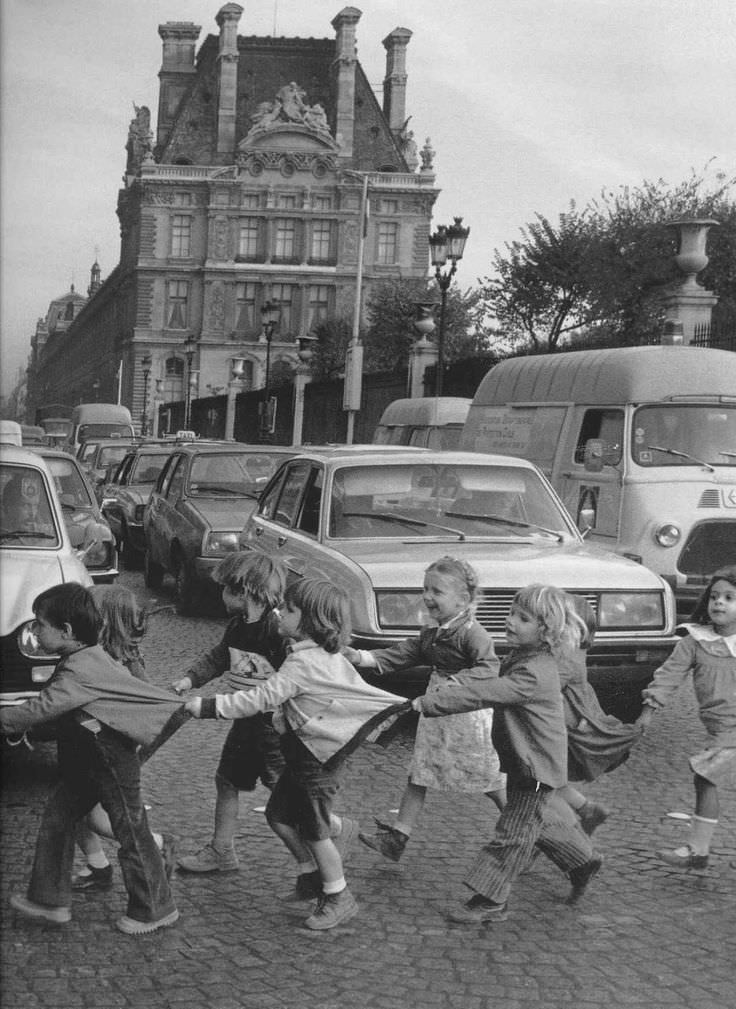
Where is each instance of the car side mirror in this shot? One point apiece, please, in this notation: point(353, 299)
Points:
point(593, 455)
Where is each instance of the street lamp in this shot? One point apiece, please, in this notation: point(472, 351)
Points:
point(146, 365)
point(447, 243)
point(189, 347)
point(270, 315)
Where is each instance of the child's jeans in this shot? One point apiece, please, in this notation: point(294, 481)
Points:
point(99, 767)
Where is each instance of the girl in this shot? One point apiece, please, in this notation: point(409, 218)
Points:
point(123, 627)
point(709, 653)
point(529, 734)
point(596, 742)
point(320, 703)
point(453, 753)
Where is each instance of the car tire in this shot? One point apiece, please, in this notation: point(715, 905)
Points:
point(153, 574)
point(187, 593)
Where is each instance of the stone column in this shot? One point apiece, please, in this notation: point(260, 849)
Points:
point(689, 306)
point(423, 355)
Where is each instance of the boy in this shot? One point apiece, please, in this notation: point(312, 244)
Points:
point(251, 648)
point(102, 714)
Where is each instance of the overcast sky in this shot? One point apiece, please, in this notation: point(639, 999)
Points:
point(528, 104)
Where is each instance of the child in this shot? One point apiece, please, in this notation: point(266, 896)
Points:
point(709, 653)
point(529, 735)
point(103, 714)
point(454, 752)
point(123, 627)
point(596, 742)
point(320, 701)
point(252, 587)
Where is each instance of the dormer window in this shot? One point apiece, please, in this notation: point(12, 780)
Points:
point(69, 311)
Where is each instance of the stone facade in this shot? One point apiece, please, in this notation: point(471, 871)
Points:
point(249, 193)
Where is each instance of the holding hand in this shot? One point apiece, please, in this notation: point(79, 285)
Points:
point(352, 655)
point(642, 722)
point(194, 707)
point(181, 686)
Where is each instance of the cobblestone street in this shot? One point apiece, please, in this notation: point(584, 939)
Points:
point(644, 935)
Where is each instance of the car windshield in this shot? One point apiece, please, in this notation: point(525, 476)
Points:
point(111, 454)
point(147, 468)
point(25, 509)
point(685, 435)
point(443, 499)
point(239, 474)
point(73, 491)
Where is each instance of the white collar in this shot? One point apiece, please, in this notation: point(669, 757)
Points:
point(704, 632)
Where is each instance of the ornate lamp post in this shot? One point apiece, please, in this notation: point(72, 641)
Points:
point(146, 366)
point(190, 345)
point(447, 243)
point(270, 315)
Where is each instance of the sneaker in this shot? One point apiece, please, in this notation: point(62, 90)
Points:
point(209, 859)
point(332, 909)
point(344, 840)
point(387, 840)
point(93, 879)
point(479, 910)
point(592, 815)
point(581, 876)
point(308, 887)
point(26, 907)
point(683, 858)
point(168, 854)
point(131, 926)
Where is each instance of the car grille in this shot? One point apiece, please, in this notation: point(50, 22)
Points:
point(491, 608)
point(709, 546)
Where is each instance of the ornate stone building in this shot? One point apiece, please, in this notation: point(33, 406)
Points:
point(250, 193)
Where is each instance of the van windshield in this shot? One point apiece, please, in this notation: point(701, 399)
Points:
point(89, 431)
point(685, 435)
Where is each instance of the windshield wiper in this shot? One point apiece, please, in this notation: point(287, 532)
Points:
point(501, 520)
point(405, 520)
point(681, 455)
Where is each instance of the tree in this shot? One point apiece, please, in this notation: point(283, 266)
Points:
point(598, 274)
point(389, 334)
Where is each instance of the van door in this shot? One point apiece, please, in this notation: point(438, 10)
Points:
point(592, 497)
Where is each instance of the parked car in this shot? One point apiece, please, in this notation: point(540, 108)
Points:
point(192, 519)
point(36, 553)
point(98, 456)
point(372, 519)
point(125, 494)
point(88, 529)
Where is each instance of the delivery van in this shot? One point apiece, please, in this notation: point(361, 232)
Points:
point(426, 422)
point(639, 442)
point(99, 420)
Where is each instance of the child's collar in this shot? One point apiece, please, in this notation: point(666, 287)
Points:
point(704, 632)
point(457, 620)
point(297, 646)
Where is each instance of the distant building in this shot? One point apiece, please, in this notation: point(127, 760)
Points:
point(248, 193)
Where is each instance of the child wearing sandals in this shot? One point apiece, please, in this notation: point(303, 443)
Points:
point(454, 753)
point(708, 653)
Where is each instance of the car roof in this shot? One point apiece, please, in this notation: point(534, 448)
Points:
point(234, 446)
point(26, 456)
point(390, 454)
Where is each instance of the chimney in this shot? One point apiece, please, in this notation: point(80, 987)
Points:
point(180, 39)
point(343, 71)
point(394, 83)
point(227, 91)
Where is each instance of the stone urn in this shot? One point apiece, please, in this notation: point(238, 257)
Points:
point(691, 255)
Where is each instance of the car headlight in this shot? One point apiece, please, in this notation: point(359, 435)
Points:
point(667, 535)
point(220, 543)
point(400, 609)
point(29, 647)
point(631, 610)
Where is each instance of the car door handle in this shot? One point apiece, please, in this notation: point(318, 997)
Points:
point(281, 540)
point(259, 530)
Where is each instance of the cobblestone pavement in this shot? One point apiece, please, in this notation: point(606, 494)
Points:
point(645, 935)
